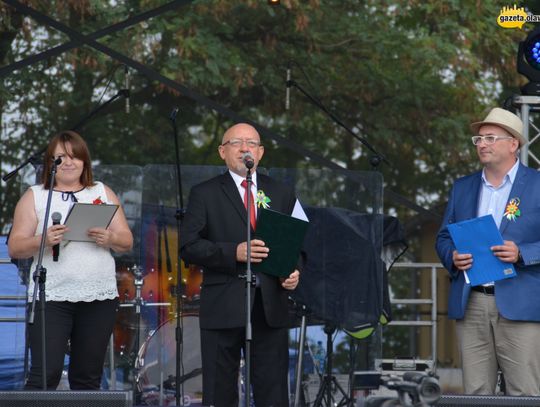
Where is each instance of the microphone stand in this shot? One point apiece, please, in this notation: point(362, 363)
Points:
point(93, 112)
point(249, 284)
point(34, 159)
point(377, 157)
point(40, 275)
point(179, 383)
point(300, 362)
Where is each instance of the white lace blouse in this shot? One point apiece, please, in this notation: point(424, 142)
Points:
point(84, 271)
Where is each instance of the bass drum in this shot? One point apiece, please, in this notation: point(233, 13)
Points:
point(156, 364)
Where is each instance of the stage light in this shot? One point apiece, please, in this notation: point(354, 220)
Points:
point(528, 62)
point(274, 2)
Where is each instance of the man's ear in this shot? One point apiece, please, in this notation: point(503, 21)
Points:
point(517, 146)
point(261, 152)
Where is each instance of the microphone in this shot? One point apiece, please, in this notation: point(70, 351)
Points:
point(126, 86)
point(247, 158)
point(172, 116)
point(288, 89)
point(56, 218)
point(57, 161)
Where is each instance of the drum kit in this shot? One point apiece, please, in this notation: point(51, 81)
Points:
point(143, 344)
point(151, 366)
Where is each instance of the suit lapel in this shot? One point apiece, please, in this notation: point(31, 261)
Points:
point(516, 191)
point(473, 197)
point(262, 185)
point(231, 191)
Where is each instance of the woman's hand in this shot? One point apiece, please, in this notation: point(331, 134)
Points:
point(102, 237)
point(55, 234)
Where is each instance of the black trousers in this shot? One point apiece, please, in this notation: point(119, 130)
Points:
point(221, 351)
point(87, 326)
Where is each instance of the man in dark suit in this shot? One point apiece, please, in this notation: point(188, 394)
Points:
point(497, 323)
point(214, 237)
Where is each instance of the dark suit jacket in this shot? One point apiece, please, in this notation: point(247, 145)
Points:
point(214, 225)
point(517, 298)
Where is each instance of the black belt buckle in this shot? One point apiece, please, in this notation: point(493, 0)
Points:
point(489, 290)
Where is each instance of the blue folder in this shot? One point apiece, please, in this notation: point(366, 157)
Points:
point(476, 236)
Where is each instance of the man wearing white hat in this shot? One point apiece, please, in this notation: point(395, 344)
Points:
point(497, 323)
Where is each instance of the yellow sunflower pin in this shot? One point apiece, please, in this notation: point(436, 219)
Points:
point(512, 211)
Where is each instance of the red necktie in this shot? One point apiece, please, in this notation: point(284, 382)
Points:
point(252, 217)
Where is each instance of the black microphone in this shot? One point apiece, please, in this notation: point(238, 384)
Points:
point(56, 218)
point(57, 161)
point(247, 158)
point(172, 116)
point(126, 86)
point(288, 90)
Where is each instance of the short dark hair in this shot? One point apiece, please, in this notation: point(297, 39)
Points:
point(79, 150)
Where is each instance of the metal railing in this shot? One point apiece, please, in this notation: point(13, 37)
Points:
point(432, 302)
point(11, 298)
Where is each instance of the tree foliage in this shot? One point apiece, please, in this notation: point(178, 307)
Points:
point(406, 75)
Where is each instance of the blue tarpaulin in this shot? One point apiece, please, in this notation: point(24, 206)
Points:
point(12, 332)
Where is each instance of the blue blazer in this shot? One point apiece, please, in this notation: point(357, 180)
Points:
point(517, 298)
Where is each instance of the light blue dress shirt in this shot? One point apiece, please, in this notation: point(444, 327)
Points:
point(493, 199)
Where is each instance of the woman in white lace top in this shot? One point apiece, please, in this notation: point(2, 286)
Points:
point(81, 293)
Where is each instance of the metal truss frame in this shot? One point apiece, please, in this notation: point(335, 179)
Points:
point(531, 132)
point(78, 39)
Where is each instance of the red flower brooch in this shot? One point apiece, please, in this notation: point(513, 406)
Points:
point(98, 201)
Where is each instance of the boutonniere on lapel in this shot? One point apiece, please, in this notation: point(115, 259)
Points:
point(512, 211)
point(262, 200)
point(98, 201)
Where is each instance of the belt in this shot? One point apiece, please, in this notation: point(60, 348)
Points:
point(489, 290)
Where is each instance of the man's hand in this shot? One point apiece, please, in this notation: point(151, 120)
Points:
point(462, 262)
point(508, 252)
point(259, 251)
point(291, 282)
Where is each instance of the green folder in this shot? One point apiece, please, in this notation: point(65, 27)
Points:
point(284, 236)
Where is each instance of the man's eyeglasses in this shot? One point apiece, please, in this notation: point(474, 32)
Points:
point(236, 142)
point(488, 140)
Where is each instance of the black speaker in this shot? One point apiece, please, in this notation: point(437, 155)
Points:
point(487, 401)
point(66, 399)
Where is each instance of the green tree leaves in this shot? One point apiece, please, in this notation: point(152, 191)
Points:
point(406, 75)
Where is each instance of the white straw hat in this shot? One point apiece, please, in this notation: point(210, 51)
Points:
point(504, 119)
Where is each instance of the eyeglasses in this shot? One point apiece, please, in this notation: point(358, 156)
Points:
point(236, 142)
point(488, 140)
